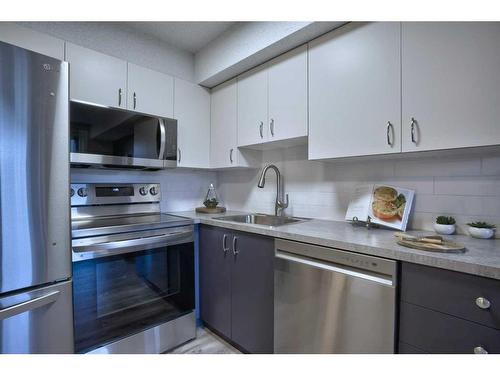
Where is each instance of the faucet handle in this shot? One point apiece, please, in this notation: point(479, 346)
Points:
point(284, 204)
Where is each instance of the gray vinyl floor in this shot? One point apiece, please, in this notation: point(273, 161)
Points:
point(206, 342)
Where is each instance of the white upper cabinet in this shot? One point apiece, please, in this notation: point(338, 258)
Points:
point(252, 107)
point(224, 117)
point(355, 91)
point(192, 111)
point(96, 77)
point(287, 77)
point(150, 92)
point(451, 85)
point(272, 100)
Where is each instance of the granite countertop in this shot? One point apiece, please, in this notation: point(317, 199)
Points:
point(482, 257)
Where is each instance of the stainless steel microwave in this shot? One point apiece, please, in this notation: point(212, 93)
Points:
point(106, 137)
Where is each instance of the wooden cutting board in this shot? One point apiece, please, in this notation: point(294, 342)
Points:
point(206, 210)
point(445, 247)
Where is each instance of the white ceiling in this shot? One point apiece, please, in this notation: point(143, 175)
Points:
point(189, 36)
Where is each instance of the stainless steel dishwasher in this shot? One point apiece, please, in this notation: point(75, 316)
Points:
point(332, 301)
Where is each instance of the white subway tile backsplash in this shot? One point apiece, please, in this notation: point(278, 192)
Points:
point(429, 167)
point(448, 204)
point(491, 165)
point(483, 186)
point(467, 188)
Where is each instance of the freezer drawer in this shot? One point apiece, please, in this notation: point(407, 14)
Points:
point(37, 321)
point(332, 301)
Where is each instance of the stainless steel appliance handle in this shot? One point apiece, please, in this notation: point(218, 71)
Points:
point(163, 139)
point(153, 240)
point(32, 304)
point(333, 268)
point(102, 249)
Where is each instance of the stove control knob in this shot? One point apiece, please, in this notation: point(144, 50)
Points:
point(153, 190)
point(82, 192)
point(71, 192)
point(143, 191)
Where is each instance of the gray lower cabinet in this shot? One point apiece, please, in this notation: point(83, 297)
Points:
point(237, 286)
point(448, 312)
point(215, 279)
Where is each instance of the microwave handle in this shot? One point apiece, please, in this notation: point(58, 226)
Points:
point(163, 139)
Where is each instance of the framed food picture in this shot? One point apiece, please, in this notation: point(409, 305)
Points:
point(385, 205)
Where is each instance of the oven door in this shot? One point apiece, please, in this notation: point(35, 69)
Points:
point(109, 137)
point(123, 287)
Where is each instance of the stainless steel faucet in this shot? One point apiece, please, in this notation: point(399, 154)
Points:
point(279, 205)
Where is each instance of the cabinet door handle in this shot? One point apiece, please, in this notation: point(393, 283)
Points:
point(135, 100)
point(235, 241)
point(119, 97)
point(261, 129)
point(480, 350)
point(271, 127)
point(231, 156)
point(390, 131)
point(412, 127)
point(483, 303)
point(224, 241)
point(180, 154)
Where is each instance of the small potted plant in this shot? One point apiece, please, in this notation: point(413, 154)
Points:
point(445, 225)
point(480, 229)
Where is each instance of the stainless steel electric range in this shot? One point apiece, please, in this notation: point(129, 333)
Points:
point(133, 270)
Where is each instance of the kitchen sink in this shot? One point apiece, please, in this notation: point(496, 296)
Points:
point(262, 219)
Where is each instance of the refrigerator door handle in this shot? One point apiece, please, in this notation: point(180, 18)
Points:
point(29, 305)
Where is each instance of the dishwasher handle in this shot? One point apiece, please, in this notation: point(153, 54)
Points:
point(332, 267)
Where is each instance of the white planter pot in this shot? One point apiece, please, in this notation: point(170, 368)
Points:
point(444, 228)
point(481, 232)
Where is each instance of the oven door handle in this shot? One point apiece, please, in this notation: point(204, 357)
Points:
point(163, 139)
point(102, 249)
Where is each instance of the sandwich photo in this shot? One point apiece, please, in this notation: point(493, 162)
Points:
point(388, 204)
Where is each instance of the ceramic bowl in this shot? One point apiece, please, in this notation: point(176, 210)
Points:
point(481, 232)
point(444, 228)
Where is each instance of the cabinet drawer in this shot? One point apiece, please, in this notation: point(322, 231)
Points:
point(404, 348)
point(452, 293)
point(435, 332)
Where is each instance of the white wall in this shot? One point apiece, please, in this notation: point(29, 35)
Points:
point(32, 40)
point(248, 44)
point(466, 187)
point(116, 40)
point(181, 189)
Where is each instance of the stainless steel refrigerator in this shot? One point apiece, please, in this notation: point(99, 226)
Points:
point(36, 313)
